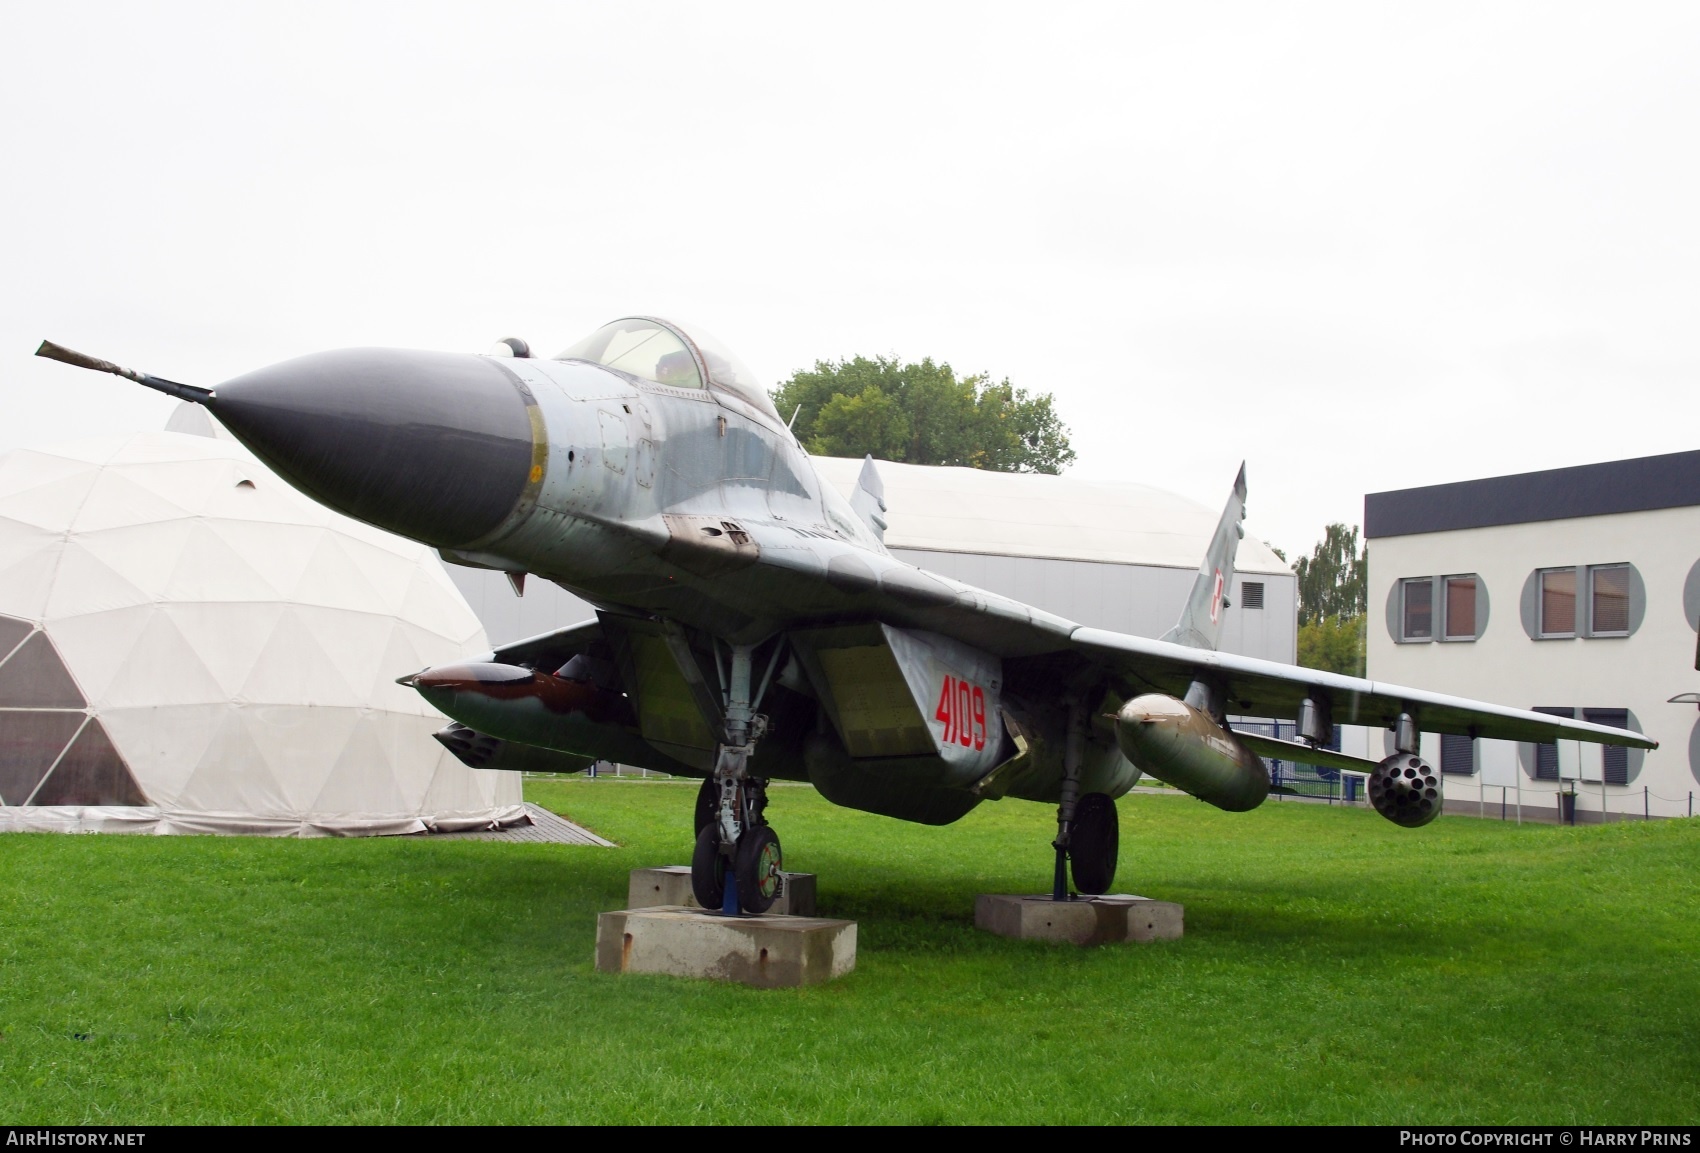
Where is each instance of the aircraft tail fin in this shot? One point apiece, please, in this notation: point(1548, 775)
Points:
point(868, 501)
point(1200, 626)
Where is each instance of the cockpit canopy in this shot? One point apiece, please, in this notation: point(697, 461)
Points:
point(670, 355)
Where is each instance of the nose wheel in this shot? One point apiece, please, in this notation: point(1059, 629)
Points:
point(758, 860)
point(753, 866)
point(735, 865)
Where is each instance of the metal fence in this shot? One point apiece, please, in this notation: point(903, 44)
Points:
point(1288, 779)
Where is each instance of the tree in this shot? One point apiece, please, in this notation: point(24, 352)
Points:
point(1331, 578)
point(1335, 644)
point(923, 414)
point(1332, 602)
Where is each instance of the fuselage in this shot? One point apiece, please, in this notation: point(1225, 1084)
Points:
point(683, 504)
point(693, 504)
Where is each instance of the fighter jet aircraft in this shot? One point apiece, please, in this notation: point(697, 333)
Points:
point(751, 625)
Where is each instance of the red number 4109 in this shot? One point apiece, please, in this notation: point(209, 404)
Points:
point(962, 708)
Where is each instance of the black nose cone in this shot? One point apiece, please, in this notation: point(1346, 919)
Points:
point(432, 445)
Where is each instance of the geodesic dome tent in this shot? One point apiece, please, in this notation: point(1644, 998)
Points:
point(187, 644)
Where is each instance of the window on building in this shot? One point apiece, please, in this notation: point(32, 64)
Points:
point(1614, 758)
point(1418, 609)
point(1460, 624)
point(1457, 754)
point(1251, 594)
point(1546, 756)
point(1609, 593)
point(1558, 602)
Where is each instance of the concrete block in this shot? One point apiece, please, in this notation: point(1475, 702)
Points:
point(769, 952)
point(671, 885)
point(1082, 921)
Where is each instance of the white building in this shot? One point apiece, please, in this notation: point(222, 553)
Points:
point(1109, 554)
point(1575, 590)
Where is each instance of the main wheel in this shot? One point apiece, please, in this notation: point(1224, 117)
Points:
point(708, 871)
point(759, 860)
point(708, 804)
point(1093, 842)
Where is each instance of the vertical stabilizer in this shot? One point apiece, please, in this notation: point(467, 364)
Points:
point(868, 501)
point(1200, 626)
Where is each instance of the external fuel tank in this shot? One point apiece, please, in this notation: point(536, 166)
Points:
point(1184, 747)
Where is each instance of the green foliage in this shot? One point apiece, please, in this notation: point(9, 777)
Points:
point(1333, 643)
point(923, 414)
point(1336, 969)
point(1332, 578)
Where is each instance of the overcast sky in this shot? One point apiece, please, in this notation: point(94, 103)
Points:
point(1360, 247)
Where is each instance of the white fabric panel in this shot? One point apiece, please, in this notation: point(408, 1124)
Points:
point(226, 638)
point(85, 583)
point(392, 577)
point(293, 665)
point(233, 774)
point(88, 644)
point(164, 746)
point(363, 779)
point(209, 569)
point(27, 577)
point(146, 555)
point(148, 819)
point(281, 550)
point(117, 500)
point(52, 501)
point(239, 644)
point(408, 649)
point(435, 604)
point(160, 667)
point(333, 580)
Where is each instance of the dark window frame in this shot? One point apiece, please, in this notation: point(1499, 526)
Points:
point(1614, 759)
point(1547, 754)
point(1445, 608)
point(1454, 748)
point(1541, 604)
point(1405, 585)
point(1628, 587)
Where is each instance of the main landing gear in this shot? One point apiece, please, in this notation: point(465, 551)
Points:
point(736, 865)
point(1088, 832)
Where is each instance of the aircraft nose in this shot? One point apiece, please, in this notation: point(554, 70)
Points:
point(434, 446)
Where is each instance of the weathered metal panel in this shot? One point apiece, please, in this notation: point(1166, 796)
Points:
point(896, 693)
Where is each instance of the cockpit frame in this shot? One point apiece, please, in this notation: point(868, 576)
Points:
point(718, 370)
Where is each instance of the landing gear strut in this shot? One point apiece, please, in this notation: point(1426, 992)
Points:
point(1088, 834)
point(736, 865)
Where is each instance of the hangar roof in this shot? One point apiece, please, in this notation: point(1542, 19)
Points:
point(971, 510)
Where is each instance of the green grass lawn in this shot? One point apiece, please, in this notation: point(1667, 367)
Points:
point(1335, 969)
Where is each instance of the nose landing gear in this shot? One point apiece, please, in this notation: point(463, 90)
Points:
point(752, 866)
point(736, 865)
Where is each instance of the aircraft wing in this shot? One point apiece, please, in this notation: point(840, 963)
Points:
point(1262, 688)
point(549, 651)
